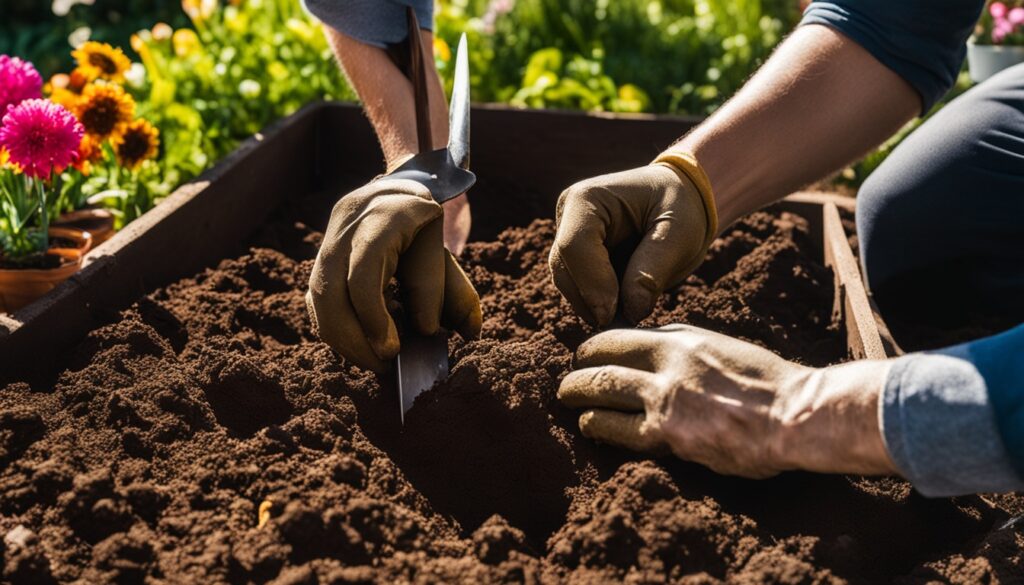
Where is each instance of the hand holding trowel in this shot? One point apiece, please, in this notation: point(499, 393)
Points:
point(445, 172)
point(393, 227)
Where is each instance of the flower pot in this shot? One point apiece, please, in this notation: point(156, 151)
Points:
point(98, 222)
point(19, 287)
point(984, 61)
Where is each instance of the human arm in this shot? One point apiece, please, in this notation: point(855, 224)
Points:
point(388, 228)
point(358, 35)
point(948, 421)
point(387, 94)
point(820, 101)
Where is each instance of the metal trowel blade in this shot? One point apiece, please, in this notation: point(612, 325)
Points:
point(422, 362)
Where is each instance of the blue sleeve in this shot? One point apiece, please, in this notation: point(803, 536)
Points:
point(953, 420)
point(379, 23)
point(923, 41)
point(1000, 360)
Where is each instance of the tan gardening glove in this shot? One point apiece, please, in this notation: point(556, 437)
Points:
point(727, 404)
point(387, 228)
point(668, 204)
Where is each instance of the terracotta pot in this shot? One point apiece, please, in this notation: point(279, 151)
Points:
point(98, 222)
point(19, 287)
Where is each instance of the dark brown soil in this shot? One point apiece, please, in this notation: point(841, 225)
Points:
point(150, 455)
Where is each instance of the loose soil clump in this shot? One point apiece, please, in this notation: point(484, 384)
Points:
point(149, 456)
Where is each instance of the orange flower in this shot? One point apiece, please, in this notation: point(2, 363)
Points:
point(101, 61)
point(57, 89)
point(104, 110)
point(78, 79)
point(140, 141)
point(90, 151)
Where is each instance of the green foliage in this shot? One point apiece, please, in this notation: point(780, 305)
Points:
point(238, 70)
point(26, 206)
point(687, 56)
point(579, 84)
point(30, 29)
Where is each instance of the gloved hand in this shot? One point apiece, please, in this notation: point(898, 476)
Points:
point(727, 404)
point(387, 228)
point(668, 204)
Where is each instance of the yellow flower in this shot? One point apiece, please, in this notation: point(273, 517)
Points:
point(278, 70)
point(441, 50)
point(236, 20)
point(101, 61)
point(5, 162)
point(199, 10)
point(104, 110)
point(65, 89)
point(137, 43)
point(139, 141)
point(300, 28)
point(185, 42)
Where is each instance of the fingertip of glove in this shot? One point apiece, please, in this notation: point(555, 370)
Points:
point(425, 323)
point(377, 367)
point(595, 314)
point(639, 296)
point(386, 349)
point(472, 324)
point(637, 306)
point(586, 423)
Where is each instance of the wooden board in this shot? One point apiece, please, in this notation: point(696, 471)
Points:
point(851, 299)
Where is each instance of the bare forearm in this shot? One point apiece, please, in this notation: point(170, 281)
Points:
point(819, 103)
point(387, 95)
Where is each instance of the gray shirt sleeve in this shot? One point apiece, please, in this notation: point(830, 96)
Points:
point(940, 428)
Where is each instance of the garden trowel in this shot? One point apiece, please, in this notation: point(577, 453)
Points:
point(445, 172)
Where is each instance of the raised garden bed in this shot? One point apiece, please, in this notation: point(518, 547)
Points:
point(147, 449)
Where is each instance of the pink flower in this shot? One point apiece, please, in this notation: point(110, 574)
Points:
point(19, 81)
point(1001, 29)
point(40, 137)
point(1016, 16)
point(997, 10)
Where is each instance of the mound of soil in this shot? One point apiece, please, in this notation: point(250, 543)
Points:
point(207, 436)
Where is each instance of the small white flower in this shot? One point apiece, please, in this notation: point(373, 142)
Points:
point(136, 75)
point(63, 7)
point(79, 36)
point(249, 88)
